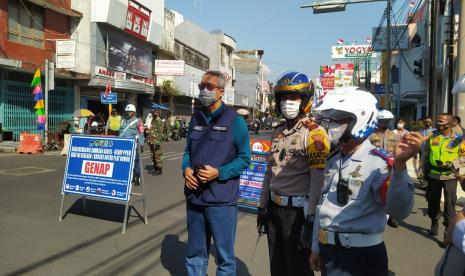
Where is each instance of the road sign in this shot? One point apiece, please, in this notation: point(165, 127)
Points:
point(98, 166)
point(379, 89)
point(251, 180)
point(111, 98)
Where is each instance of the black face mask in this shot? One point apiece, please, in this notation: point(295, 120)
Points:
point(443, 127)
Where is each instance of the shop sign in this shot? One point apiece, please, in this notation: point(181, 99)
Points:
point(102, 71)
point(142, 80)
point(169, 67)
point(352, 51)
point(137, 20)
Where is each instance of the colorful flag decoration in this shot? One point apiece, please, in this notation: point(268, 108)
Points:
point(340, 41)
point(38, 97)
point(369, 40)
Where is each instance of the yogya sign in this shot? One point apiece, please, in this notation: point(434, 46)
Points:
point(352, 51)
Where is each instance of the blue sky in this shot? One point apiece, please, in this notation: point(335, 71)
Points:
point(292, 38)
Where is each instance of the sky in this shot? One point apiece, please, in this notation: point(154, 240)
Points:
point(292, 38)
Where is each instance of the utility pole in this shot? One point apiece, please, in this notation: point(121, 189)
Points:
point(460, 103)
point(387, 85)
point(450, 54)
point(432, 98)
point(46, 99)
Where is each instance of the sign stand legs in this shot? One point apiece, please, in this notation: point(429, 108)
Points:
point(61, 207)
point(130, 202)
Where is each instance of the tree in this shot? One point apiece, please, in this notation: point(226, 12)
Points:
point(169, 88)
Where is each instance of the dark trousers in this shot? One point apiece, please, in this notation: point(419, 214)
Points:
point(284, 231)
point(435, 188)
point(355, 261)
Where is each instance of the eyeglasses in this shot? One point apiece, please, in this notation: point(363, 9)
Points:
point(209, 86)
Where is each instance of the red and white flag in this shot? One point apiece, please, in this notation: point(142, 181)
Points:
point(369, 40)
point(340, 41)
point(107, 89)
point(410, 8)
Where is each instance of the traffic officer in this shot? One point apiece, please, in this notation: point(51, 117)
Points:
point(441, 150)
point(384, 138)
point(358, 188)
point(155, 139)
point(114, 123)
point(133, 127)
point(293, 178)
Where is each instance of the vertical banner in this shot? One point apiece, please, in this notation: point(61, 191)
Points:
point(251, 180)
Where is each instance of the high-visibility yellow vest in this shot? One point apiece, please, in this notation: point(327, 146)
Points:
point(114, 122)
point(445, 149)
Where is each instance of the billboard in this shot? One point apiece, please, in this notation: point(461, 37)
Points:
point(343, 74)
point(130, 58)
point(137, 20)
point(398, 34)
point(100, 166)
point(352, 51)
point(65, 55)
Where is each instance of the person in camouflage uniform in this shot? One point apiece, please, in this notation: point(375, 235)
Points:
point(167, 128)
point(177, 129)
point(155, 138)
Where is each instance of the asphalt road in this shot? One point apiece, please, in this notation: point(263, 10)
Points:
point(33, 242)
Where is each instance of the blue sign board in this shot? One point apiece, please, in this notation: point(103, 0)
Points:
point(100, 166)
point(379, 89)
point(251, 180)
point(111, 98)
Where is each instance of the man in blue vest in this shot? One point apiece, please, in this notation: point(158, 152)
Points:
point(217, 152)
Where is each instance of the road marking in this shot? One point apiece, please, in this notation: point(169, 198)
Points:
point(22, 171)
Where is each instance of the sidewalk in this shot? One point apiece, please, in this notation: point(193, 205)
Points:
point(8, 147)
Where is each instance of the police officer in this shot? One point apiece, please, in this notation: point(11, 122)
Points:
point(133, 127)
point(383, 138)
point(155, 139)
point(114, 123)
point(294, 177)
point(351, 215)
point(441, 150)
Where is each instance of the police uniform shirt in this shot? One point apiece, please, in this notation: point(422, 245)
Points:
point(297, 159)
point(385, 140)
point(130, 129)
point(374, 192)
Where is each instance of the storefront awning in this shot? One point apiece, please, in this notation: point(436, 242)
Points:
point(158, 106)
point(47, 5)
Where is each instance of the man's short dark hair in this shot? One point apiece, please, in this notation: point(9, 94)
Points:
point(221, 79)
point(458, 119)
point(427, 118)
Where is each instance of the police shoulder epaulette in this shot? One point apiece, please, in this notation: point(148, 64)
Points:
point(310, 124)
point(389, 159)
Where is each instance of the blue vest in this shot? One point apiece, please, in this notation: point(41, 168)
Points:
point(213, 144)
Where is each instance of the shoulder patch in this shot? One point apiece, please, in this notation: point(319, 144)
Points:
point(310, 124)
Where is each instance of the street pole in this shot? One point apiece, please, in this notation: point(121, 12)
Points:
point(398, 88)
point(432, 99)
point(46, 100)
point(460, 103)
point(192, 91)
point(450, 44)
point(387, 102)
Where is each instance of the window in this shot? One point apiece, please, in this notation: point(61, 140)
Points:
point(25, 24)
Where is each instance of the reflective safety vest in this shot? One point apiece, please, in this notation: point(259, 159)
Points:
point(114, 122)
point(444, 149)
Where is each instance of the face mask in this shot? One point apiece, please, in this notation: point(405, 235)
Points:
point(443, 127)
point(400, 126)
point(335, 132)
point(428, 124)
point(290, 109)
point(206, 97)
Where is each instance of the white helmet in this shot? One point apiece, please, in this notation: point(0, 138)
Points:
point(130, 108)
point(385, 115)
point(350, 102)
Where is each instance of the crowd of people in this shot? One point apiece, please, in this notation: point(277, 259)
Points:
point(334, 175)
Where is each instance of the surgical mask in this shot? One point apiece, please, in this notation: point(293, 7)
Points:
point(290, 109)
point(206, 97)
point(443, 127)
point(335, 132)
point(400, 126)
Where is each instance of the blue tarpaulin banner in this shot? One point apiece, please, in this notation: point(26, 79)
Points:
point(100, 166)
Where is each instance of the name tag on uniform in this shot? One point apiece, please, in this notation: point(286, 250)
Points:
point(220, 128)
point(198, 128)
